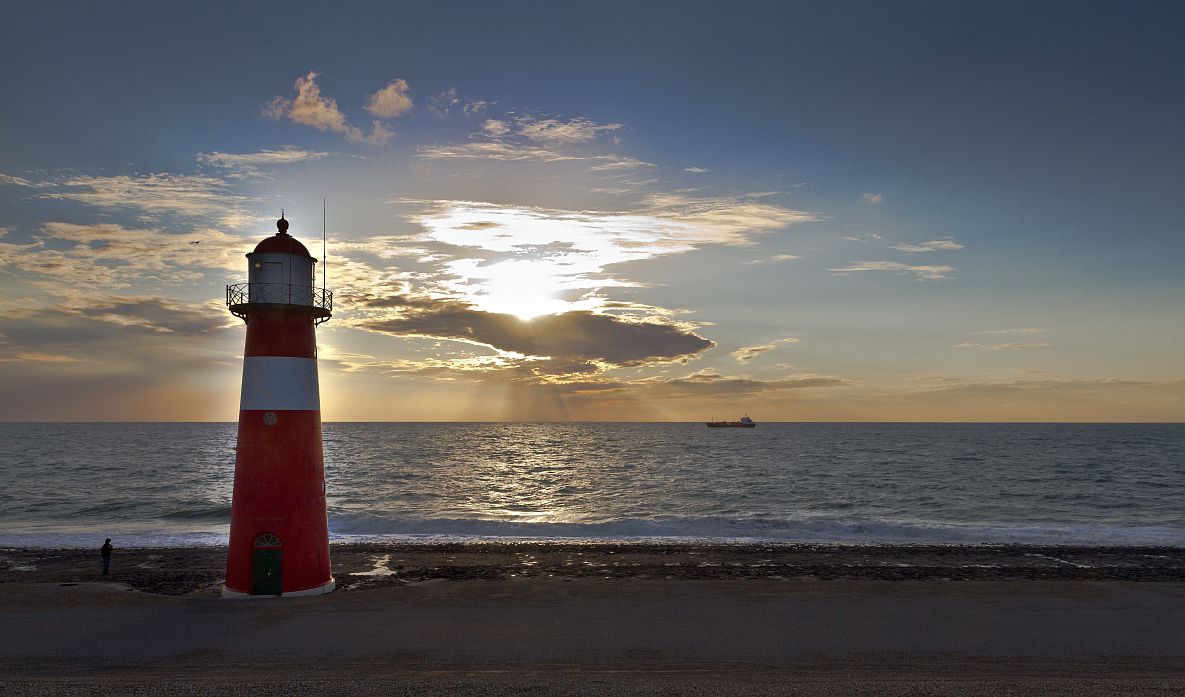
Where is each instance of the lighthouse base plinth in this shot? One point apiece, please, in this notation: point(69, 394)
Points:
point(319, 590)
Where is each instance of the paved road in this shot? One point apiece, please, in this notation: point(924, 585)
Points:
point(815, 631)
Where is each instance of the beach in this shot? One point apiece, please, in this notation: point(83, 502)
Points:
point(612, 618)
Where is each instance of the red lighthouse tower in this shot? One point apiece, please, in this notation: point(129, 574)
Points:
point(279, 537)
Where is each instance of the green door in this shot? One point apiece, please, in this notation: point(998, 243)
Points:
point(265, 572)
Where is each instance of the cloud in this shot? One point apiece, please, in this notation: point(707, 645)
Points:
point(310, 108)
point(923, 273)
point(1057, 398)
point(154, 195)
point(67, 332)
point(391, 101)
point(572, 342)
point(695, 170)
point(252, 164)
point(529, 139)
point(1004, 347)
point(774, 258)
point(746, 353)
point(65, 258)
point(874, 198)
point(610, 163)
point(577, 130)
point(725, 219)
point(1025, 330)
point(707, 383)
point(379, 133)
point(33, 357)
point(495, 128)
point(943, 245)
point(118, 357)
point(19, 181)
point(502, 151)
point(506, 258)
point(448, 101)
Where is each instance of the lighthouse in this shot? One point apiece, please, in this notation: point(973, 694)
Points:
point(279, 535)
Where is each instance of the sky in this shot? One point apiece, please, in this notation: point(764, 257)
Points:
point(821, 211)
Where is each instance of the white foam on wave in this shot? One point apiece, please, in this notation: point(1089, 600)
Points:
point(359, 527)
point(124, 536)
point(355, 527)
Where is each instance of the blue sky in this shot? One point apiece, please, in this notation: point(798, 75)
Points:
point(917, 211)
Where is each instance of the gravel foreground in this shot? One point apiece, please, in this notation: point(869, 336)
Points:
point(177, 571)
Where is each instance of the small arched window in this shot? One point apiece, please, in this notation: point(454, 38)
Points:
point(267, 539)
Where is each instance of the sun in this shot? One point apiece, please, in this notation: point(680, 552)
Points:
point(523, 288)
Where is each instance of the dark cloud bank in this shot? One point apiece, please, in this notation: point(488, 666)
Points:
point(573, 338)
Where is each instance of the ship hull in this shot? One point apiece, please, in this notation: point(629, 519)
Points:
point(727, 424)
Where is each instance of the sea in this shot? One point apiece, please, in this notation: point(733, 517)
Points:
point(169, 484)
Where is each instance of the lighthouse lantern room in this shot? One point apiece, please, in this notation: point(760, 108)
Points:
point(279, 536)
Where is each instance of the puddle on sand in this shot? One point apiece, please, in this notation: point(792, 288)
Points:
point(380, 568)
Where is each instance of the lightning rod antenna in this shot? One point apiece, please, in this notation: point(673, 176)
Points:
point(324, 253)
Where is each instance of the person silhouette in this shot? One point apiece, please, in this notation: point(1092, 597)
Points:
point(105, 551)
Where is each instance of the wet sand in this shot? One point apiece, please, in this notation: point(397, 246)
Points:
point(606, 619)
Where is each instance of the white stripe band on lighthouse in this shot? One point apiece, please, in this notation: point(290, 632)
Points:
point(280, 383)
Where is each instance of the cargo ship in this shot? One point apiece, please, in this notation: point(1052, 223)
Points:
point(745, 422)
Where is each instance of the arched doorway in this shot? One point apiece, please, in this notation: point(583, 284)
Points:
point(265, 567)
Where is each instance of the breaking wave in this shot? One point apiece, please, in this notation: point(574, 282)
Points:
point(364, 527)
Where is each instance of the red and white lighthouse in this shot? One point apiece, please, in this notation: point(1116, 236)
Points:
point(279, 536)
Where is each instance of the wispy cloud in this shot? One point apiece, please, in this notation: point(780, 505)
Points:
point(253, 164)
point(923, 273)
point(20, 181)
point(746, 353)
point(449, 101)
point(610, 163)
point(773, 259)
point(577, 130)
point(518, 152)
point(1024, 330)
point(943, 245)
point(157, 194)
point(708, 382)
point(874, 198)
point(72, 260)
point(117, 357)
point(391, 101)
point(546, 258)
point(495, 128)
point(310, 108)
point(695, 170)
point(1012, 346)
point(35, 357)
point(541, 140)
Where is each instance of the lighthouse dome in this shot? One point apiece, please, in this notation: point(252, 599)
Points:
point(282, 242)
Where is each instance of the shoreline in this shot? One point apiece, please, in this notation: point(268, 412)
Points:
point(364, 565)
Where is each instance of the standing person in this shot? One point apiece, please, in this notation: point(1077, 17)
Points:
point(105, 550)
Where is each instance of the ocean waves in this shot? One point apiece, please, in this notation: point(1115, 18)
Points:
point(354, 527)
point(73, 484)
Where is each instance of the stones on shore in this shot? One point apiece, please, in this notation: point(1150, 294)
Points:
point(358, 567)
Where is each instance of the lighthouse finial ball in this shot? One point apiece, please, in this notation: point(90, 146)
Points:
point(282, 225)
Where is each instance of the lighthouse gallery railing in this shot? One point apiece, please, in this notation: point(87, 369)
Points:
point(242, 294)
